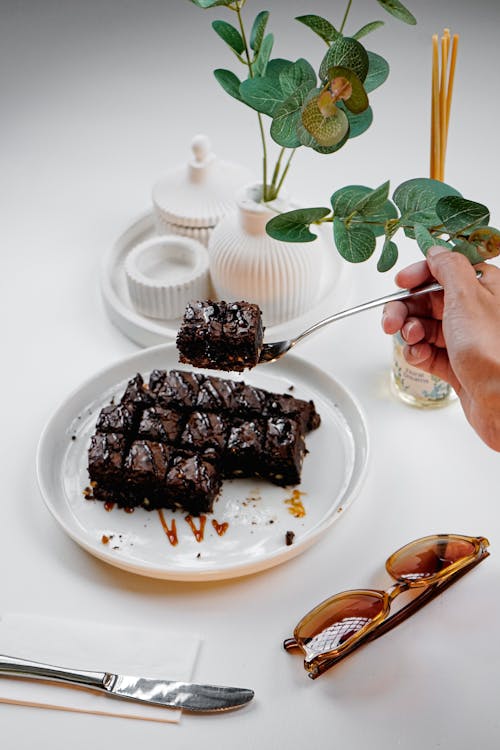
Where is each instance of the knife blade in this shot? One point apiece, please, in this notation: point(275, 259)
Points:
point(189, 696)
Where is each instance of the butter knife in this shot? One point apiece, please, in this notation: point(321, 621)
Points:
point(186, 695)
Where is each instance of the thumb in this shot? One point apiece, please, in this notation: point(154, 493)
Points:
point(453, 271)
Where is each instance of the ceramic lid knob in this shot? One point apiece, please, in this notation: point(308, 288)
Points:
point(201, 192)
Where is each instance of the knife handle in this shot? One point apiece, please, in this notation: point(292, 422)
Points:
point(16, 667)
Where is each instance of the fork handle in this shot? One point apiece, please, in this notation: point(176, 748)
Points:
point(394, 297)
point(15, 667)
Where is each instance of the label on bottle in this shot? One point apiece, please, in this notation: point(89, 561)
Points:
point(414, 385)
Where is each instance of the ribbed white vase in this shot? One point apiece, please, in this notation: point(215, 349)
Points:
point(247, 264)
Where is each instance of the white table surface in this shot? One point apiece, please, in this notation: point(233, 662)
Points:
point(98, 100)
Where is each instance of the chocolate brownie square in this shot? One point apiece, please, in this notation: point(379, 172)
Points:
point(105, 457)
point(303, 412)
point(156, 380)
point(136, 396)
point(243, 455)
point(251, 401)
point(201, 332)
point(179, 389)
point(217, 395)
point(284, 450)
point(115, 418)
point(205, 432)
point(161, 425)
point(193, 484)
point(220, 335)
point(146, 464)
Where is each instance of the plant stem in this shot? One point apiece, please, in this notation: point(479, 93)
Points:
point(345, 16)
point(259, 116)
point(277, 168)
point(284, 173)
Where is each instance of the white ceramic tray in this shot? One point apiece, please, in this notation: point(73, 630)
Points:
point(256, 511)
point(149, 332)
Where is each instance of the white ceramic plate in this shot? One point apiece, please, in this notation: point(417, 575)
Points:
point(257, 514)
point(149, 332)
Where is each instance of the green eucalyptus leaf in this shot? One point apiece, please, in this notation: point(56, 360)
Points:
point(458, 214)
point(417, 200)
point(229, 82)
point(230, 35)
point(293, 226)
point(260, 63)
point(425, 239)
point(348, 53)
point(367, 28)
point(349, 203)
point(358, 124)
point(294, 75)
point(276, 66)
point(287, 116)
point(469, 250)
point(345, 199)
point(398, 10)
point(388, 256)
point(211, 3)
point(372, 202)
point(320, 26)
point(358, 101)
point(355, 244)
point(263, 94)
point(328, 130)
point(306, 139)
point(258, 30)
point(378, 72)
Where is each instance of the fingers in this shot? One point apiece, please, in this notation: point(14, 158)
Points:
point(414, 275)
point(433, 360)
point(453, 271)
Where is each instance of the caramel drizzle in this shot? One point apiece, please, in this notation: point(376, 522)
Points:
point(294, 502)
point(220, 528)
point(170, 532)
point(198, 532)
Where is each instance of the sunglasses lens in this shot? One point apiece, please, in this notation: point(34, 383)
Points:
point(338, 619)
point(427, 558)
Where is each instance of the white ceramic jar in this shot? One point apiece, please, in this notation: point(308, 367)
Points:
point(192, 198)
point(247, 264)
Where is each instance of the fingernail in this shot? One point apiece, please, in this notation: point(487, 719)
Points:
point(436, 250)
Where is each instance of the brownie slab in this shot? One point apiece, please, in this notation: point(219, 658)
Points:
point(217, 395)
point(243, 455)
point(179, 390)
point(193, 484)
point(205, 433)
point(221, 335)
point(284, 451)
point(106, 456)
point(115, 418)
point(303, 412)
point(161, 425)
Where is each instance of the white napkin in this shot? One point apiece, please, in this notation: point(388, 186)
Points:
point(95, 647)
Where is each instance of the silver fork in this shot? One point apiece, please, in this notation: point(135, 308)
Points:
point(275, 350)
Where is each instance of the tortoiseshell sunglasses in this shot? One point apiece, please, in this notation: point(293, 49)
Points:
point(342, 623)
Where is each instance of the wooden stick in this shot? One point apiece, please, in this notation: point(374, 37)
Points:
point(445, 42)
point(435, 145)
point(449, 92)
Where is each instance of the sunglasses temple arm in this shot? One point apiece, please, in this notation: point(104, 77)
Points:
point(399, 617)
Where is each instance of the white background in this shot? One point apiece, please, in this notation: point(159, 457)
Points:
point(99, 99)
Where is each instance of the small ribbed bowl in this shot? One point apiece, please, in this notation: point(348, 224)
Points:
point(163, 226)
point(164, 273)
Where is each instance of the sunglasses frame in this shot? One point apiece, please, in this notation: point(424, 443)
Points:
point(316, 663)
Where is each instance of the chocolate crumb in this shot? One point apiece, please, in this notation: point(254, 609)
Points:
point(73, 437)
point(289, 537)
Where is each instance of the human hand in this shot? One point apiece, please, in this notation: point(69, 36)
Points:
point(455, 334)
